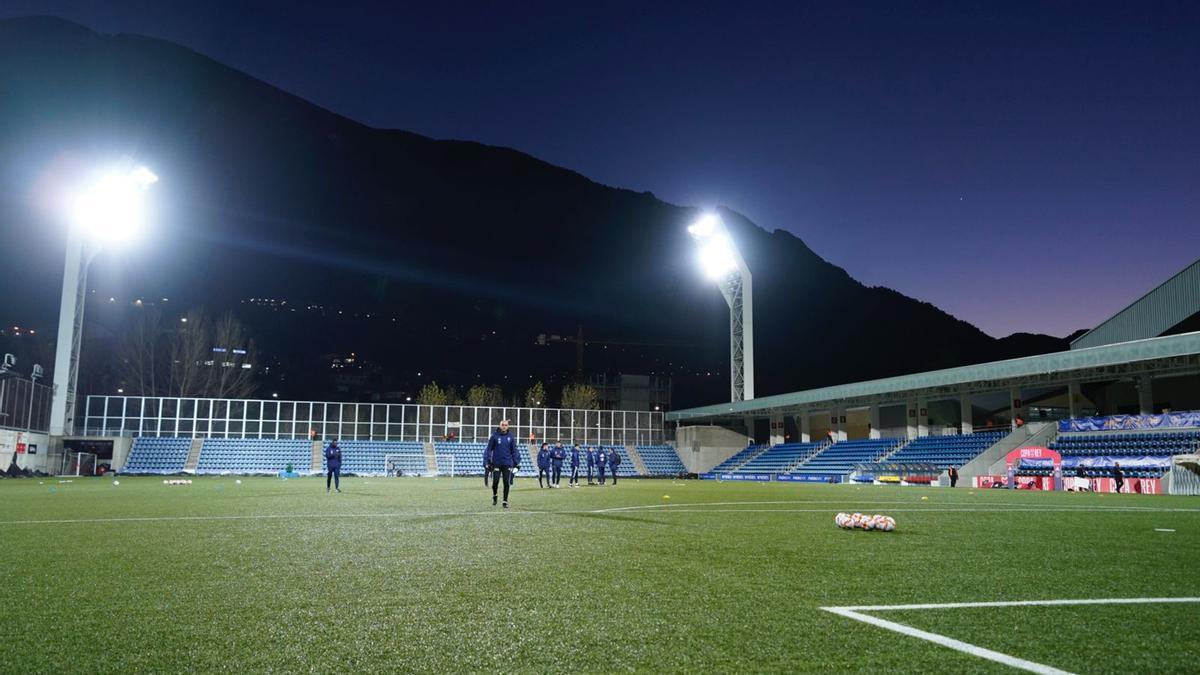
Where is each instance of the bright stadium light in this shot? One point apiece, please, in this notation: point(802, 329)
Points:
point(704, 227)
point(722, 262)
point(109, 208)
point(717, 257)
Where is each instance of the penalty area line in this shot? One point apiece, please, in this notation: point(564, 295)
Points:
point(856, 613)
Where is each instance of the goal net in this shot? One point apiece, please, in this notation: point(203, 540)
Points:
point(447, 465)
point(397, 466)
point(79, 464)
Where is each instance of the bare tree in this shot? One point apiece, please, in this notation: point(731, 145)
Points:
point(233, 357)
point(190, 352)
point(142, 362)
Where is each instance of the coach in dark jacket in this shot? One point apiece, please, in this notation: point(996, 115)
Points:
point(333, 466)
point(502, 459)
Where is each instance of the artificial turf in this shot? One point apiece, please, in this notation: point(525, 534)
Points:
point(425, 575)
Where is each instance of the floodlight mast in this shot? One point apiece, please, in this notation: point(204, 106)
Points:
point(108, 209)
point(723, 263)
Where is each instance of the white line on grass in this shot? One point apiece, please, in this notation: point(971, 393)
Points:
point(889, 510)
point(675, 509)
point(268, 516)
point(1085, 508)
point(855, 613)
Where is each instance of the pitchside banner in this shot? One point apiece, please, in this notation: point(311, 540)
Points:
point(802, 478)
point(1137, 486)
point(1119, 422)
point(757, 477)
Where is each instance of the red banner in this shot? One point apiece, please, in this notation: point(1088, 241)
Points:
point(1140, 486)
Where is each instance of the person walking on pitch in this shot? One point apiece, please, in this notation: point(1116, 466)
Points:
point(574, 482)
point(614, 461)
point(591, 463)
point(502, 460)
point(556, 462)
point(601, 462)
point(333, 466)
point(543, 462)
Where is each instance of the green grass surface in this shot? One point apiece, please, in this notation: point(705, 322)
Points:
point(425, 575)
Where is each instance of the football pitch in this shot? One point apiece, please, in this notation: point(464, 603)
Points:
point(426, 575)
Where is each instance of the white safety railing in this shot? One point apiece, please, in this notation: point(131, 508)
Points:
point(254, 418)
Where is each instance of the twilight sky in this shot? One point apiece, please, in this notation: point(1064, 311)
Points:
point(1027, 167)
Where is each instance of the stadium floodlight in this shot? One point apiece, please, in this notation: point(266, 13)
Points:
point(721, 262)
point(109, 208)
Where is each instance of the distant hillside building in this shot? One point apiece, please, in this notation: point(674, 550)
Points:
point(645, 393)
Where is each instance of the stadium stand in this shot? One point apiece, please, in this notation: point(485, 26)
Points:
point(838, 459)
point(157, 455)
point(368, 458)
point(739, 459)
point(254, 455)
point(661, 460)
point(626, 467)
point(779, 458)
point(468, 457)
point(947, 451)
point(1141, 454)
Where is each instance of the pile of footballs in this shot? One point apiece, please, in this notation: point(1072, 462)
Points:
point(859, 521)
point(177, 482)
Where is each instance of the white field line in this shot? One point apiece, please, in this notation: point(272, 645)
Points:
point(675, 509)
point(848, 503)
point(856, 613)
point(891, 510)
point(273, 516)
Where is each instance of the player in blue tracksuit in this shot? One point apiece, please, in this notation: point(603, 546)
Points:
point(501, 459)
point(543, 460)
point(614, 461)
point(591, 462)
point(333, 465)
point(601, 462)
point(556, 462)
point(574, 482)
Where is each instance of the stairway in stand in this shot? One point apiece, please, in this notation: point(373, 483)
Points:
point(318, 457)
point(637, 460)
point(193, 458)
point(430, 460)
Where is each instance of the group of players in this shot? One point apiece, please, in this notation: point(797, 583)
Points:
point(550, 464)
point(502, 459)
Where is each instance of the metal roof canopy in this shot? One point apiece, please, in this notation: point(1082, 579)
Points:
point(1151, 315)
point(1174, 354)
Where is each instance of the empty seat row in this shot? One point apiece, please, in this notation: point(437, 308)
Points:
point(158, 455)
point(841, 457)
point(660, 460)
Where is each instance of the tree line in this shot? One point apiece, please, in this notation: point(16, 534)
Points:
point(576, 396)
point(196, 356)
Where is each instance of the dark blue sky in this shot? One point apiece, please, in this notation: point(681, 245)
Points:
point(1025, 167)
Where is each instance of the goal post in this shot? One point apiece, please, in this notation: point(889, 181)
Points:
point(447, 465)
point(398, 466)
point(79, 464)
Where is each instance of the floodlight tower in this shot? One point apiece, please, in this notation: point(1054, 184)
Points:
point(109, 209)
point(723, 263)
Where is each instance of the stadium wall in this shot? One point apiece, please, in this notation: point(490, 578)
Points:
point(701, 448)
point(37, 461)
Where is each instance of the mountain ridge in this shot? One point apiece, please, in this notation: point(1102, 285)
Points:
point(419, 227)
